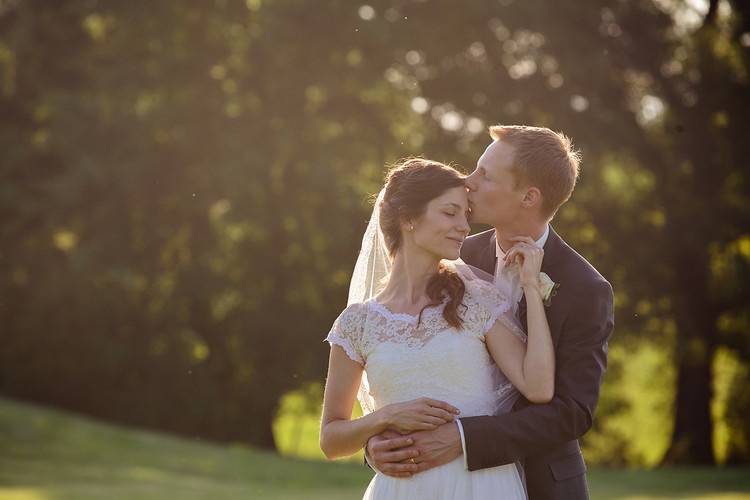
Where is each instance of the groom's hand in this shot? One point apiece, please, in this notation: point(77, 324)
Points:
point(392, 454)
point(437, 447)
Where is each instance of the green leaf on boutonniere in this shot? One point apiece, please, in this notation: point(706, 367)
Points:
point(552, 293)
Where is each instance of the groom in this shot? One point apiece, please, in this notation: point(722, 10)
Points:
point(520, 182)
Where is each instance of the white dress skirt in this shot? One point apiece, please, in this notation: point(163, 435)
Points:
point(451, 481)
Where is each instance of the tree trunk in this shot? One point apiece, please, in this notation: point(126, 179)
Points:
point(692, 437)
point(263, 436)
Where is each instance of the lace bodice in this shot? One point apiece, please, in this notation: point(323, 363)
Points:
point(404, 360)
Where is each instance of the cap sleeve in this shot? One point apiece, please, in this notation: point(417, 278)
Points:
point(346, 332)
point(487, 305)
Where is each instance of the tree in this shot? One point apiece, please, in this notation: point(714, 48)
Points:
point(184, 185)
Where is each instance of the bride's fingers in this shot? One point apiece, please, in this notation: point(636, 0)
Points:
point(430, 420)
point(386, 445)
point(440, 413)
point(441, 404)
point(513, 255)
point(524, 239)
point(524, 250)
point(531, 261)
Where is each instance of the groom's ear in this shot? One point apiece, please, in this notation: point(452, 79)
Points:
point(532, 198)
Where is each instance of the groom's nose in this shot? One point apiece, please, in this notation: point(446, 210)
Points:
point(470, 181)
point(464, 227)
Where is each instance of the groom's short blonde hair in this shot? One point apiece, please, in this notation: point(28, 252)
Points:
point(543, 159)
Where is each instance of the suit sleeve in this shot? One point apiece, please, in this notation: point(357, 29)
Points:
point(581, 360)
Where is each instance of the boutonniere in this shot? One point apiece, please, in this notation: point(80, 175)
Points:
point(548, 288)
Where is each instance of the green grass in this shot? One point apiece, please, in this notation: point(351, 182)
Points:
point(52, 455)
point(47, 454)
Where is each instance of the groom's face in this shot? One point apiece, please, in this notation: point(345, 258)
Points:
point(493, 195)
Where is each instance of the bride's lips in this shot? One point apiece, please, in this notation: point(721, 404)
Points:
point(458, 241)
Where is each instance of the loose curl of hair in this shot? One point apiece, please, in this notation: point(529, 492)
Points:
point(410, 185)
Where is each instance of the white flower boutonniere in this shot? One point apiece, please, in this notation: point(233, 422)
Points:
point(548, 288)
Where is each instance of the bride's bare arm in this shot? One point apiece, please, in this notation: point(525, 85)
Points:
point(340, 436)
point(531, 366)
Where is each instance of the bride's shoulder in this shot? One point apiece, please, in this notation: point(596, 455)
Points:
point(352, 315)
point(481, 295)
point(479, 288)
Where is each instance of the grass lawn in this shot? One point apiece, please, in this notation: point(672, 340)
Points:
point(51, 455)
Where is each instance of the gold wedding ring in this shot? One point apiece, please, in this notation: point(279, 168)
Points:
point(412, 461)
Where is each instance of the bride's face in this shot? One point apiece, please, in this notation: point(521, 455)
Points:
point(443, 227)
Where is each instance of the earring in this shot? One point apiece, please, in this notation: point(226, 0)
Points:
point(411, 227)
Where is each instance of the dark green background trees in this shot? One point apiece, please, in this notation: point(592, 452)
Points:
point(184, 188)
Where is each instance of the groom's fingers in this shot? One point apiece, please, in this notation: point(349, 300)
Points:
point(399, 474)
point(423, 466)
point(399, 456)
point(397, 468)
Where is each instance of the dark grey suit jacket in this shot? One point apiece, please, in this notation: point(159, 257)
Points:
point(544, 437)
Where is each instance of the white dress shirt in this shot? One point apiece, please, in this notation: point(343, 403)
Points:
point(509, 281)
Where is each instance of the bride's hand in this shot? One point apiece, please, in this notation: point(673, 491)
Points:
point(421, 414)
point(530, 258)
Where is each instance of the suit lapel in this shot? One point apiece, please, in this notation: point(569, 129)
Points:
point(551, 252)
point(488, 256)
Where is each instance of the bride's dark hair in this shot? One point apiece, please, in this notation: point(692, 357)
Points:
point(409, 186)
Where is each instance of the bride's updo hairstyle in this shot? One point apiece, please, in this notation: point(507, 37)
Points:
point(409, 186)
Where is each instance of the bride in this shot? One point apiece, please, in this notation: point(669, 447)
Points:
point(432, 340)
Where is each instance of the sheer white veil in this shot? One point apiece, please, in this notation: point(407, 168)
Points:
point(373, 264)
point(368, 279)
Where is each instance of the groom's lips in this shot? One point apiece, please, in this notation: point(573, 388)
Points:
point(459, 241)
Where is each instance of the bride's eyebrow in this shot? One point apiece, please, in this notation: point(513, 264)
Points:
point(454, 205)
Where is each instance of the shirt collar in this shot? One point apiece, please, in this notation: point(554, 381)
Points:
point(540, 243)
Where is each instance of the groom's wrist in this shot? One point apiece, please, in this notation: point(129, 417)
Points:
point(462, 442)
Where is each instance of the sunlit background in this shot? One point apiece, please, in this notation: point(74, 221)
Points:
point(184, 186)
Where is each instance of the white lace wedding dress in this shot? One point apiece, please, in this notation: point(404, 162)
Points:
point(404, 361)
